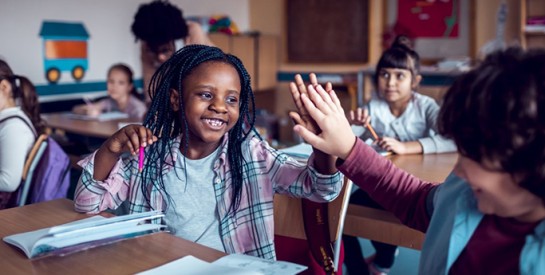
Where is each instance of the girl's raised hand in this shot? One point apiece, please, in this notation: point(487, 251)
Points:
point(297, 89)
point(129, 139)
point(336, 137)
point(360, 117)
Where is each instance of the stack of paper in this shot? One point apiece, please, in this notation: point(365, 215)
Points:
point(234, 264)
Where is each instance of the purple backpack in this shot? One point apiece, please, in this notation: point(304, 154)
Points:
point(51, 176)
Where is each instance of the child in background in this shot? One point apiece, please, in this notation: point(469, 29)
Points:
point(18, 99)
point(405, 120)
point(406, 123)
point(122, 96)
point(488, 217)
point(204, 165)
point(162, 30)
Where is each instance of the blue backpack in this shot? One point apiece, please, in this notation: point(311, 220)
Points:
point(51, 176)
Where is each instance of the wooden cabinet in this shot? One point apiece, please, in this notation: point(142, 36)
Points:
point(259, 54)
point(532, 35)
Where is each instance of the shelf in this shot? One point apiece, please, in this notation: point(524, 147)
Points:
point(531, 35)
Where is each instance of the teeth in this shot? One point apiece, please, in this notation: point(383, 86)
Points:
point(214, 122)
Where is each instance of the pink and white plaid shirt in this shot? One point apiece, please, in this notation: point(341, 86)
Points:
point(250, 230)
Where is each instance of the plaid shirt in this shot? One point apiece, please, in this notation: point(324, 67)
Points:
point(250, 230)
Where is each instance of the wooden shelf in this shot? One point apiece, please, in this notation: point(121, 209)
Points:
point(258, 53)
point(531, 38)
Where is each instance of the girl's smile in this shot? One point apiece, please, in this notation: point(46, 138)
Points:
point(211, 95)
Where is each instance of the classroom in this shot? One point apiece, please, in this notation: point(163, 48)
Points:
point(74, 52)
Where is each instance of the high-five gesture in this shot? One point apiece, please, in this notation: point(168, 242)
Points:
point(336, 137)
point(297, 89)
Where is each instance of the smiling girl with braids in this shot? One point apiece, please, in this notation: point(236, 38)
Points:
point(217, 176)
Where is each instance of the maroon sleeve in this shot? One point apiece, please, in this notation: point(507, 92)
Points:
point(394, 189)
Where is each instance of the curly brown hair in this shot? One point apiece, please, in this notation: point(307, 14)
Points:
point(496, 112)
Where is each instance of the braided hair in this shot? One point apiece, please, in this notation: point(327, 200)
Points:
point(167, 124)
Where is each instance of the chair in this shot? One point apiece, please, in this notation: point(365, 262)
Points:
point(290, 223)
point(31, 162)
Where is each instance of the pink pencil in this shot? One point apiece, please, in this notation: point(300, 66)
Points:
point(140, 159)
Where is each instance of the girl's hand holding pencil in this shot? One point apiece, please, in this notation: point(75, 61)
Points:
point(130, 139)
point(91, 109)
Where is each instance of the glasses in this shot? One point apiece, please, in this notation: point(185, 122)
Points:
point(166, 49)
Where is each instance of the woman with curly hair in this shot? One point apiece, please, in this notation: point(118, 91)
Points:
point(163, 30)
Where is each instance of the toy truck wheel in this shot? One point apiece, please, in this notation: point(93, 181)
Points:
point(78, 73)
point(53, 75)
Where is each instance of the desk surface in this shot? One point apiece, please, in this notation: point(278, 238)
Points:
point(90, 128)
point(125, 257)
point(380, 225)
point(429, 167)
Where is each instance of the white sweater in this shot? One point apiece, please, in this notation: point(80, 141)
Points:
point(16, 140)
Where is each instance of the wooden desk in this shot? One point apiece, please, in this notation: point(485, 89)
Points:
point(383, 226)
point(125, 257)
point(90, 128)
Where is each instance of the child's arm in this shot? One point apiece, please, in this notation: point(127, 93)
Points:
point(106, 178)
point(390, 186)
point(127, 139)
point(324, 163)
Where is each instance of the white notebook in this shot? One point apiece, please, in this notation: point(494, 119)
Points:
point(101, 117)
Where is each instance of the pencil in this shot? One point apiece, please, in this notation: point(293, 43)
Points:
point(87, 101)
point(140, 159)
point(370, 128)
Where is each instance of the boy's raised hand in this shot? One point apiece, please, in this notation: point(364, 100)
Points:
point(336, 137)
point(129, 139)
point(302, 116)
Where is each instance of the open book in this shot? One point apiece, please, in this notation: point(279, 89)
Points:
point(83, 234)
point(236, 264)
point(102, 117)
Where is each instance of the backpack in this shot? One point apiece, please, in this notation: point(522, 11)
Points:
point(51, 176)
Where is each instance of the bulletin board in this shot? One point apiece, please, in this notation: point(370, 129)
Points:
point(440, 28)
point(325, 31)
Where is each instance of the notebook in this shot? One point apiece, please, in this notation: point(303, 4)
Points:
point(101, 117)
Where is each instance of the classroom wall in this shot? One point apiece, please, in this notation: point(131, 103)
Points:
point(108, 23)
point(485, 22)
point(269, 17)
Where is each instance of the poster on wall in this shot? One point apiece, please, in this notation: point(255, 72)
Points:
point(439, 28)
point(433, 19)
point(64, 49)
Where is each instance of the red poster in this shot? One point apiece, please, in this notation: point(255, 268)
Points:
point(429, 18)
